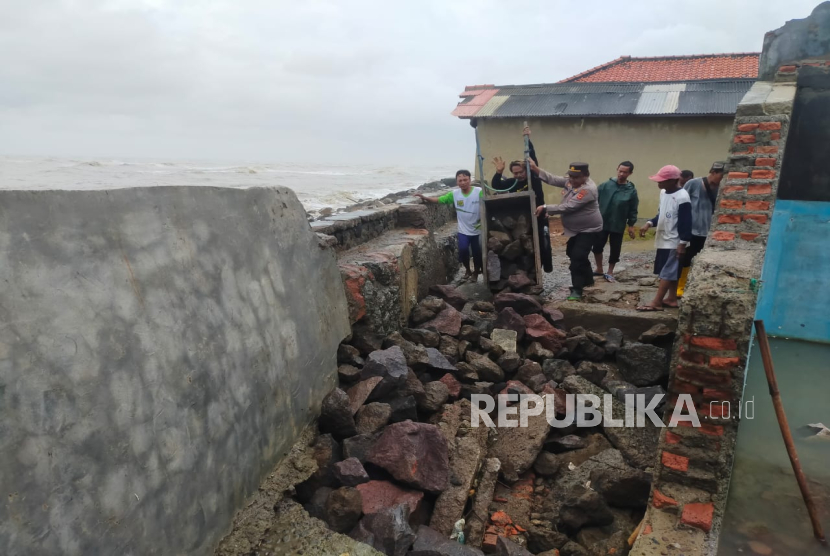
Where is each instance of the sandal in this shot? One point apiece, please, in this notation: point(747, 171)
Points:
point(598, 274)
point(648, 309)
point(667, 306)
point(609, 277)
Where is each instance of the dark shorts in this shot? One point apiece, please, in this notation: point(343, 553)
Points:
point(614, 239)
point(667, 265)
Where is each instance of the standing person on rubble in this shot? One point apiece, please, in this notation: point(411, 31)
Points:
point(618, 204)
point(581, 220)
point(467, 202)
point(703, 193)
point(519, 183)
point(674, 231)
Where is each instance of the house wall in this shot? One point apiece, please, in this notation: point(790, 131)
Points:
point(690, 143)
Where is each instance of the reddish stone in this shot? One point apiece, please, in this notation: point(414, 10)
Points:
point(660, 500)
point(509, 319)
point(759, 218)
point(724, 363)
point(490, 543)
point(731, 204)
point(350, 472)
point(516, 386)
point(380, 495)
point(698, 515)
point(450, 294)
point(749, 237)
point(738, 175)
point(673, 461)
point(448, 321)
point(757, 205)
point(729, 219)
point(540, 330)
point(744, 139)
point(672, 438)
point(772, 149)
point(413, 453)
point(647, 529)
point(764, 162)
point(733, 189)
point(759, 189)
point(748, 127)
point(770, 126)
point(775, 136)
point(763, 174)
point(354, 280)
point(452, 385)
point(714, 344)
point(787, 69)
point(521, 303)
point(723, 236)
point(360, 392)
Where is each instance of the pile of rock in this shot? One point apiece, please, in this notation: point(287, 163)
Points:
point(511, 255)
point(399, 462)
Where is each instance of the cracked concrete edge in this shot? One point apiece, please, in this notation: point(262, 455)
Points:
point(256, 517)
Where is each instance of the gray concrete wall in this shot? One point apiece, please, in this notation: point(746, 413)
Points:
point(161, 349)
point(798, 39)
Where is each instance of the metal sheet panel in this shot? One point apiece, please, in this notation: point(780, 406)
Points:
point(568, 105)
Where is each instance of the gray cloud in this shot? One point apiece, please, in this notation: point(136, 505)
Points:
point(358, 80)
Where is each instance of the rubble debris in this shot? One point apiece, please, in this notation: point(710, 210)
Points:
point(413, 453)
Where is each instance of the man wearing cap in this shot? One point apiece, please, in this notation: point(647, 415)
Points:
point(581, 220)
point(674, 231)
point(703, 193)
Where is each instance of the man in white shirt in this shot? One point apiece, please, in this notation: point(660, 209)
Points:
point(674, 231)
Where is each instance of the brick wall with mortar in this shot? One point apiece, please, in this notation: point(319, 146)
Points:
point(693, 466)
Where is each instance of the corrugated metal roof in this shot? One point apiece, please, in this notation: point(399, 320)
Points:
point(613, 99)
point(707, 102)
point(568, 105)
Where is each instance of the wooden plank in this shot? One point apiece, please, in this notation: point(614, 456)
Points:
point(482, 239)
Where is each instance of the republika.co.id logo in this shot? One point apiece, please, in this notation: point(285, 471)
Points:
point(588, 410)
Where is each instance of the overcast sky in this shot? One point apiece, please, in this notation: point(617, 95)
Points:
point(332, 80)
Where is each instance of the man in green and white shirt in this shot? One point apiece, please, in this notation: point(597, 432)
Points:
point(467, 202)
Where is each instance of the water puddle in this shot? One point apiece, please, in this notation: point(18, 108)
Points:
point(765, 513)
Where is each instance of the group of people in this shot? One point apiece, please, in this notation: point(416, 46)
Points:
point(595, 216)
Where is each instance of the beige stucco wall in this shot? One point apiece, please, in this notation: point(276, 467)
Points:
point(689, 143)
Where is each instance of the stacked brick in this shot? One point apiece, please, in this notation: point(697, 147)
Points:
point(714, 330)
point(746, 199)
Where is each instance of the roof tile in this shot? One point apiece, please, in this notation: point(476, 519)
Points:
point(672, 68)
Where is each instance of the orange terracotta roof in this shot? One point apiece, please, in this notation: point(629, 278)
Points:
point(672, 68)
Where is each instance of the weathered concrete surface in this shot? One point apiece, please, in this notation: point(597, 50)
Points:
point(385, 277)
point(162, 349)
point(798, 39)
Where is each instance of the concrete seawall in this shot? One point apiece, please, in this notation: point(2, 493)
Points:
point(162, 349)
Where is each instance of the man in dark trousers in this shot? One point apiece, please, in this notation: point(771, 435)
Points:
point(581, 220)
point(519, 183)
point(703, 193)
point(618, 203)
